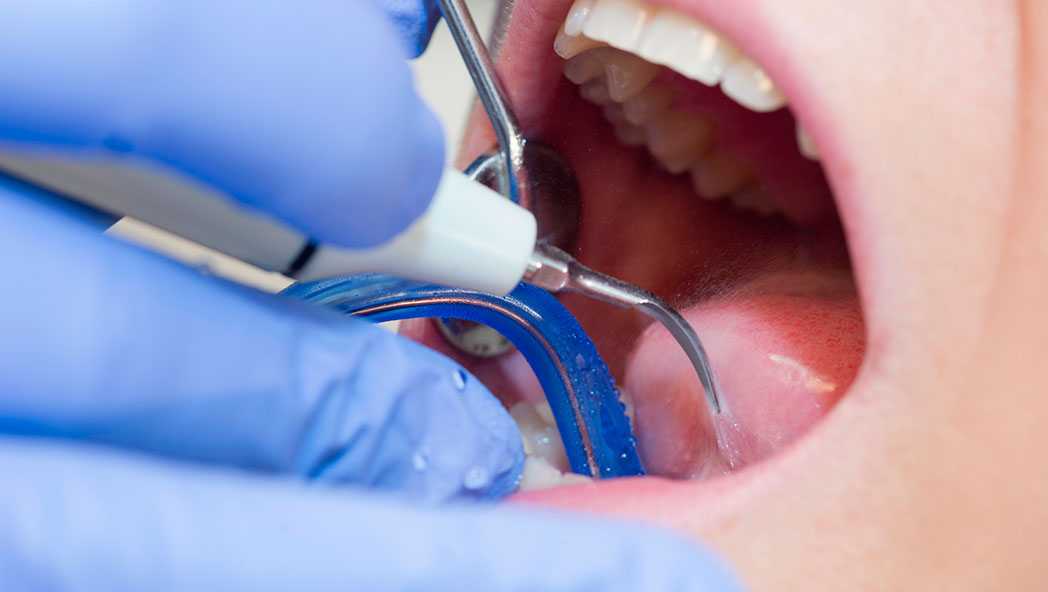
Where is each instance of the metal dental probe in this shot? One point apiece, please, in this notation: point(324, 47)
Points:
point(550, 267)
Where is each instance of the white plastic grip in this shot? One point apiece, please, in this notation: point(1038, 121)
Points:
point(470, 237)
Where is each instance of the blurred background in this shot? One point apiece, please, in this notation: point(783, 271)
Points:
point(442, 80)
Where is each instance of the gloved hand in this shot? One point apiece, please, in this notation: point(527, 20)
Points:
point(162, 430)
point(414, 20)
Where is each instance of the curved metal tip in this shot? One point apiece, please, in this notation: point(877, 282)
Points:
point(689, 341)
point(605, 288)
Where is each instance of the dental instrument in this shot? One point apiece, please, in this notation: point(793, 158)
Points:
point(539, 179)
point(581, 392)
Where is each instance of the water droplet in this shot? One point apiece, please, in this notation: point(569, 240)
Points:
point(459, 378)
point(419, 461)
point(476, 478)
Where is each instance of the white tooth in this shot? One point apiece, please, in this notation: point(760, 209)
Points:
point(677, 140)
point(539, 474)
point(627, 133)
point(679, 42)
point(577, 17)
point(620, 23)
point(627, 75)
point(596, 91)
point(719, 175)
point(750, 86)
point(585, 66)
point(647, 105)
point(544, 411)
point(755, 199)
point(806, 144)
point(568, 46)
point(541, 440)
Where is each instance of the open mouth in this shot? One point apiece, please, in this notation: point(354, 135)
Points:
point(701, 183)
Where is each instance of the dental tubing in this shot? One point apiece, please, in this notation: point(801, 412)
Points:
point(590, 416)
point(469, 237)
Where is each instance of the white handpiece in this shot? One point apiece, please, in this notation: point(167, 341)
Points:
point(470, 237)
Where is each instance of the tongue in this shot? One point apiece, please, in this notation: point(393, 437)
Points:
point(784, 349)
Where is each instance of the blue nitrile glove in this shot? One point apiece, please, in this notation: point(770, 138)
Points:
point(415, 20)
point(163, 430)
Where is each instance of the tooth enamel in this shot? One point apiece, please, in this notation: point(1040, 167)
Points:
point(596, 91)
point(577, 17)
point(647, 105)
point(684, 45)
point(619, 23)
point(749, 85)
point(569, 46)
point(719, 175)
point(627, 75)
point(806, 145)
point(545, 412)
point(586, 66)
point(541, 439)
point(538, 474)
point(678, 139)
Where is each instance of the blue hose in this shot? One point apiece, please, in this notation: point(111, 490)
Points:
point(580, 390)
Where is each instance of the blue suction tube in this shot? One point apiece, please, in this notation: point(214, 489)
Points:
point(580, 390)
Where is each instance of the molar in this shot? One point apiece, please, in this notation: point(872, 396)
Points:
point(720, 174)
point(677, 140)
point(648, 104)
point(627, 75)
point(596, 91)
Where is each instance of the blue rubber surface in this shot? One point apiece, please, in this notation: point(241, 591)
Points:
point(550, 338)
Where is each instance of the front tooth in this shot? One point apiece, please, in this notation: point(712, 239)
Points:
point(650, 103)
point(577, 17)
point(627, 75)
point(806, 144)
point(568, 46)
point(719, 175)
point(679, 42)
point(750, 86)
point(620, 23)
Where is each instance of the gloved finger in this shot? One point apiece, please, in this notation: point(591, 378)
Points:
point(304, 109)
point(85, 520)
point(115, 345)
point(415, 20)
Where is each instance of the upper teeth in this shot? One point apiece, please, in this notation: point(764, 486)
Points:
point(669, 38)
point(623, 80)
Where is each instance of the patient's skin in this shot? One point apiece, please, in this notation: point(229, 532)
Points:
point(928, 475)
